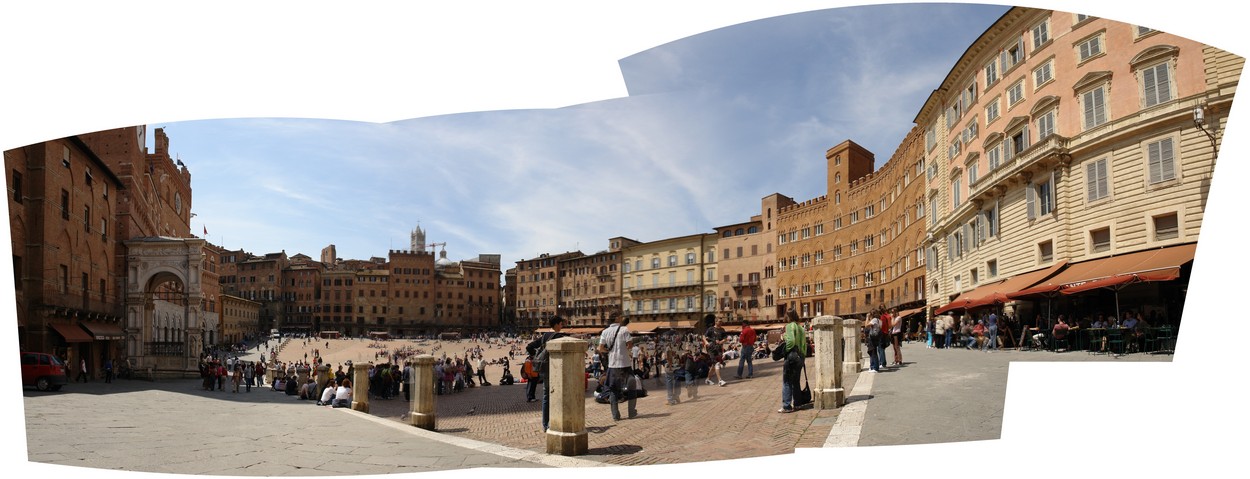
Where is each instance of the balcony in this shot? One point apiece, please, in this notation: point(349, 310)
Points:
point(1041, 155)
point(743, 284)
point(665, 286)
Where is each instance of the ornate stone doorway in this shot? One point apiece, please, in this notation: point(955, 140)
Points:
point(164, 305)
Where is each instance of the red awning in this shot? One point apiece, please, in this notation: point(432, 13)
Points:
point(104, 331)
point(1162, 264)
point(72, 333)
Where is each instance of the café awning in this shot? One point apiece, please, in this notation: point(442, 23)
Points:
point(104, 331)
point(908, 312)
point(965, 299)
point(72, 333)
point(1162, 264)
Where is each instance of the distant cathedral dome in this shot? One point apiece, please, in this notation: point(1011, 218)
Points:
point(443, 262)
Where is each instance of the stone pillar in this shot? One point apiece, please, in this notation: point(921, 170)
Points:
point(422, 413)
point(566, 428)
point(827, 332)
point(360, 386)
point(323, 377)
point(301, 375)
point(850, 340)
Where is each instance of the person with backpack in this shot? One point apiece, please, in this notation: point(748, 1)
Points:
point(541, 363)
point(872, 335)
point(617, 340)
point(793, 349)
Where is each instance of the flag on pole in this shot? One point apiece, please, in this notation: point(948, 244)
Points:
point(206, 231)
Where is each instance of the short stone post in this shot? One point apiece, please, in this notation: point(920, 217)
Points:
point(360, 387)
point(828, 393)
point(850, 340)
point(271, 373)
point(301, 375)
point(566, 428)
point(422, 413)
point(323, 377)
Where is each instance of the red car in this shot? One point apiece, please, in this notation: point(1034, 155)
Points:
point(43, 371)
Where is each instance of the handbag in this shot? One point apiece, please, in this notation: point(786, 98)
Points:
point(602, 348)
point(803, 397)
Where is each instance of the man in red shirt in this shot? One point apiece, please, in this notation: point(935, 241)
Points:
point(747, 339)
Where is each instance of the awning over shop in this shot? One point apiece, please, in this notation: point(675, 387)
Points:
point(72, 333)
point(104, 331)
point(1163, 264)
point(908, 312)
point(965, 299)
point(1000, 291)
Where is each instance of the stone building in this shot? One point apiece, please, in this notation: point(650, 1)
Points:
point(748, 286)
point(859, 249)
point(1060, 149)
point(239, 319)
point(670, 283)
point(590, 286)
point(63, 202)
point(538, 287)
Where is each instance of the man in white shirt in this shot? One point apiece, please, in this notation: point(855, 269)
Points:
point(620, 365)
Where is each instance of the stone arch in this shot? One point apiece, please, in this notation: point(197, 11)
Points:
point(164, 304)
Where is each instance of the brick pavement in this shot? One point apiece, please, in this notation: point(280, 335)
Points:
point(738, 420)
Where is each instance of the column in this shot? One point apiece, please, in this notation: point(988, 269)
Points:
point(828, 392)
point(422, 413)
point(566, 429)
point(851, 345)
point(323, 377)
point(360, 386)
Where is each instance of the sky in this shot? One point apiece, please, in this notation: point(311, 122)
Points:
point(628, 105)
point(712, 123)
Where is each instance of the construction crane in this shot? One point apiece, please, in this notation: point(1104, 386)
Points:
point(432, 245)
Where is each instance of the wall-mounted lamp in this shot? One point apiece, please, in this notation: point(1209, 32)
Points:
point(1199, 117)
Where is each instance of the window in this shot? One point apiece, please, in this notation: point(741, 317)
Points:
point(1090, 48)
point(1162, 161)
point(991, 111)
point(672, 260)
point(818, 229)
point(64, 204)
point(1080, 17)
point(86, 218)
point(989, 221)
point(930, 139)
point(1143, 31)
point(954, 148)
point(972, 273)
point(1096, 179)
point(1100, 240)
point(1041, 34)
point(1040, 197)
point(869, 211)
point(1011, 56)
point(968, 96)
point(1094, 103)
point(1015, 93)
point(991, 268)
point(1046, 124)
point(627, 269)
point(994, 154)
point(1166, 227)
point(1045, 251)
point(807, 233)
point(955, 193)
point(1156, 85)
point(970, 131)
point(972, 172)
point(991, 74)
point(1043, 74)
point(689, 258)
point(952, 115)
point(655, 262)
point(1017, 142)
point(17, 186)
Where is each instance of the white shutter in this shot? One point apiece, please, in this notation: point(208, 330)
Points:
point(1151, 92)
point(1167, 163)
point(1054, 192)
point(1030, 200)
point(1091, 180)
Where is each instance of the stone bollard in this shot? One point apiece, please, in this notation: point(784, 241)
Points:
point(421, 413)
point(301, 375)
point(828, 393)
point(850, 340)
point(566, 385)
point(323, 377)
point(360, 387)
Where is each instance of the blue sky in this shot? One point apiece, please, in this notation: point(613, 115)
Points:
point(712, 123)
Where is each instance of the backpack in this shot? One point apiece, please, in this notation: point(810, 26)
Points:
point(541, 359)
point(874, 328)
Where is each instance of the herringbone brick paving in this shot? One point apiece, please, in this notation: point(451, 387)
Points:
point(738, 420)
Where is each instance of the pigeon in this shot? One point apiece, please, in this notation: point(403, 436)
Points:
point(471, 411)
